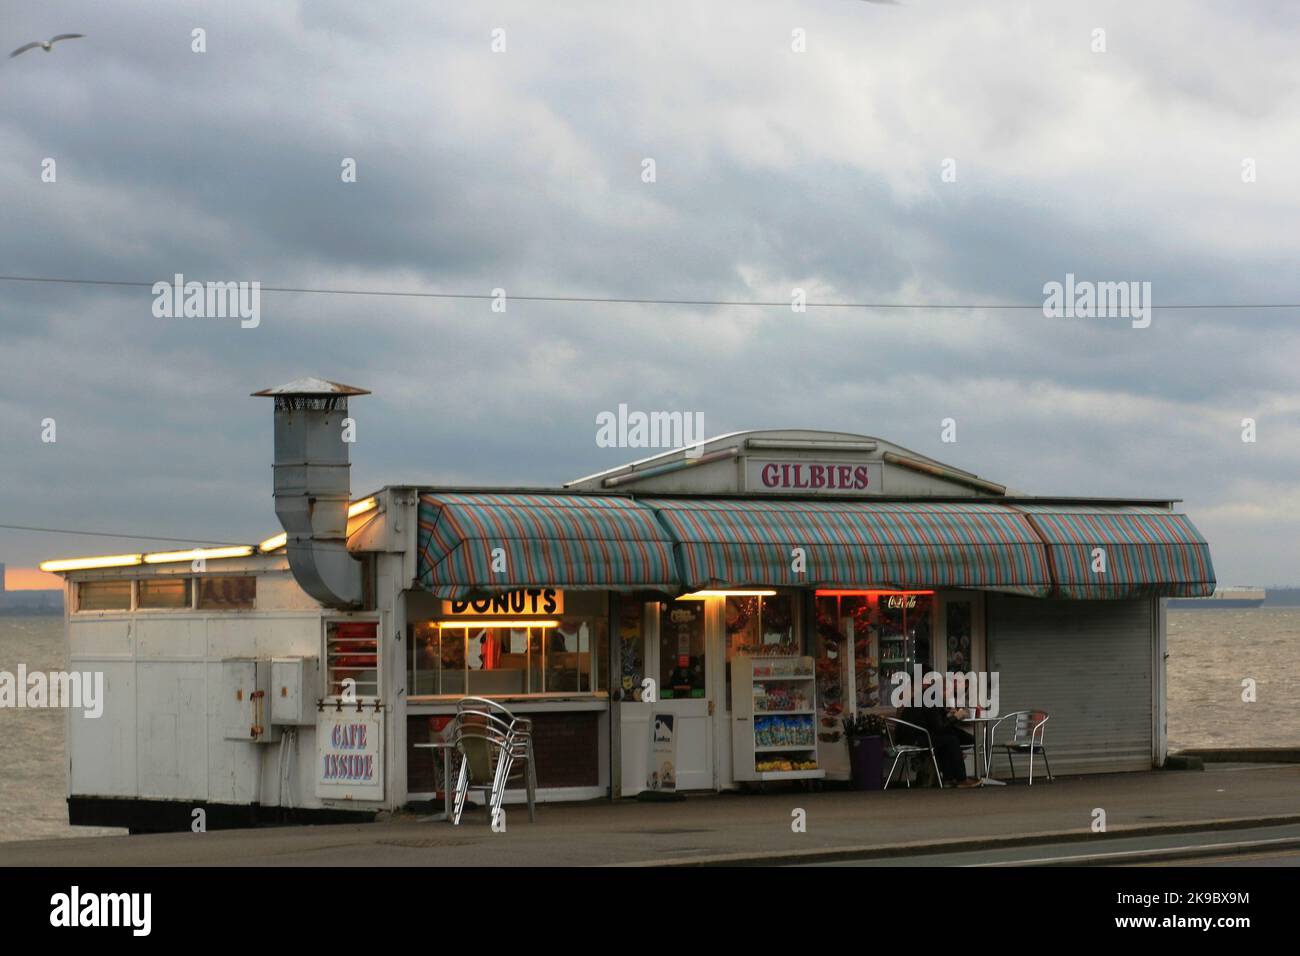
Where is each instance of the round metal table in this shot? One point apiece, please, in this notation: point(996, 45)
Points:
point(984, 741)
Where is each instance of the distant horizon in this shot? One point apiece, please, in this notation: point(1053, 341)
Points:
point(30, 579)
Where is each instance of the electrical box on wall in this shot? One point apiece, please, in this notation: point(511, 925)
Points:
point(295, 685)
point(246, 701)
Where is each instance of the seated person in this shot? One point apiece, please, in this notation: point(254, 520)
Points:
point(947, 736)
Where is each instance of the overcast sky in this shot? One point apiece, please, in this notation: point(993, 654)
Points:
point(775, 169)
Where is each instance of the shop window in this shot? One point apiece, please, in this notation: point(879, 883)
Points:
point(104, 596)
point(681, 650)
point(760, 626)
point(861, 639)
point(163, 593)
point(352, 654)
point(904, 635)
point(844, 647)
point(486, 661)
point(227, 593)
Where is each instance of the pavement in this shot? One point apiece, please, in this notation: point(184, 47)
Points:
point(740, 828)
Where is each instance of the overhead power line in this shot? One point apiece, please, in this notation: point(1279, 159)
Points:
point(628, 300)
point(112, 534)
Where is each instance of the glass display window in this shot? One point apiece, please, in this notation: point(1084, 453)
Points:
point(681, 650)
point(759, 625)
point(514, 659)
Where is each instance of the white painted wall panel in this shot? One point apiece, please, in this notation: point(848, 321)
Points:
point(101, 637)
point(170, 636)
point(102, 751)
point(173, 724)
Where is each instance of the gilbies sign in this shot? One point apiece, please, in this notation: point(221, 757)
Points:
point(813, 477)
point(525, 601)
point(350, 755)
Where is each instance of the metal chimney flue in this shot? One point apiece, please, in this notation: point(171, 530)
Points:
point(313, 487)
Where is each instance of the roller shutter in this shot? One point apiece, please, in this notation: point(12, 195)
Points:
point(1088, 664)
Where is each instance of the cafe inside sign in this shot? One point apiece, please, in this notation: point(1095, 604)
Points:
point(524, 601)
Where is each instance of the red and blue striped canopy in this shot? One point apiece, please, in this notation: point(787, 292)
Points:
point(1109, 551)
point(616, 542)
point(853, 544)
point(546, 540)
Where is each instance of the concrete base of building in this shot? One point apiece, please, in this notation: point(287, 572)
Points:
point(1243, 754)
point(176, 816)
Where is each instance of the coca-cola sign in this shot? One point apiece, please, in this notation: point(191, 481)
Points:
point(803, 476)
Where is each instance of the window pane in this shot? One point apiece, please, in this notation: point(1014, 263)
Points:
point(488, 674)
point(164, 593)
point(959, 636)
point(599, 673)
point(743, 631)
point(681, 650)
point(865, 618)
point(352, 651)
point(104, 596)
point(918, 629)
point(425, 666)
point(631, 641)
point(778, 625)
point(513, 659)
point(830, 651)
point(562, 658)
point(895, 650)
point(227, 594)
point(453, 661)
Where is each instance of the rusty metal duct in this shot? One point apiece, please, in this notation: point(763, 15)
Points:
point(313, 487)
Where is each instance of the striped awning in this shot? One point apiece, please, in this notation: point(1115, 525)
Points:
point(569, 541)
point(854, 544)
point(615, 542)
point(1108, 551)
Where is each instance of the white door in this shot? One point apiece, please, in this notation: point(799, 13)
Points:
point(637, 654)
point(683, 668)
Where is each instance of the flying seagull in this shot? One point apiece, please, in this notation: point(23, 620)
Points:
point(46, 45)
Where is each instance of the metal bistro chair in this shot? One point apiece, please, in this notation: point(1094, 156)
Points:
point(1027, 739)
point(493, 744)
point(908, 752)
point(521, 752)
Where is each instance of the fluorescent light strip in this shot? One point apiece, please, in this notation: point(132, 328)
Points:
point(488, 622)
point(192, 554)
point(705, 595)
point(197, 554)
point(84, 564)
point(274, 543)
point(278, 541)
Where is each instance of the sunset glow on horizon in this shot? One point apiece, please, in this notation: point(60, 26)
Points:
point(31, 579)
